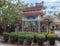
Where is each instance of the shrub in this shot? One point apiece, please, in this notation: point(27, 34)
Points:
point(13, 36)
point(21, 36)
point(21, 33)
point(30, 33)
point(29, 37)
point(5, 36)
point(45, 33)
point(40, 37)
point(51, 37)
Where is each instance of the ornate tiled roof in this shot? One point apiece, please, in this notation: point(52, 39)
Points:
point(56, 20)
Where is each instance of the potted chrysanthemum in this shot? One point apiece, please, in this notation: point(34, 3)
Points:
point(13, 37)
point(40, 39)
point(6, 36)
point(51, 38)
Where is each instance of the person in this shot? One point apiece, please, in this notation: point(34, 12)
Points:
point(1, 30)
point(52, 27)
point(43, 29)
point(51, 31)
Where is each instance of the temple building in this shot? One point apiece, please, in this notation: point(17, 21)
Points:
point(57, 22)
point(33, 18)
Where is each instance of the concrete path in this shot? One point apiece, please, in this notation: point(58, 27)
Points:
point(57, 43)
point(2, 44)
point(58, 33)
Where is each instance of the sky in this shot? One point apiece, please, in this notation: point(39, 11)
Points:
point(34, 1)
point(48, 3)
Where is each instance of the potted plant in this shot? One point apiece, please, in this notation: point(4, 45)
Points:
point(21, 38)
point(34, 39)
point(40, 39)
point(45, 33)
point(51, 38)
point(6, 36)
point(29, 38)
point(13, 37)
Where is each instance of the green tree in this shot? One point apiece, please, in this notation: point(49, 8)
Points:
point(58, 15)
point(49, 17)
point(11, 11)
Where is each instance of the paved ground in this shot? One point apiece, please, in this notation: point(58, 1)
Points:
point(57, 32)
point(1, 44)
point(57, 43)
point(5, 44)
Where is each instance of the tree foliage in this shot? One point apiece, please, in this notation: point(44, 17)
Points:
point(11, 11)
point(49, 17)
point(58, 15)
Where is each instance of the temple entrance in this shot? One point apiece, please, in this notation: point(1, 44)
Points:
point(31, 26)
point(43, 27)
point(35, 25)
point(31, 23)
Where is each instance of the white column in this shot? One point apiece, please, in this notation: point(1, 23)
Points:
point(47, 28)
point(38, 26)
point(22, 25)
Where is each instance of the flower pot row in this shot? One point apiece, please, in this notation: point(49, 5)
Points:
point(19, 37)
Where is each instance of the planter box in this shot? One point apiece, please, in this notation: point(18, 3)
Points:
point(28, 43)
point(20, 42)
point(40, 43)
point(5, 40)
point(51, 42)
